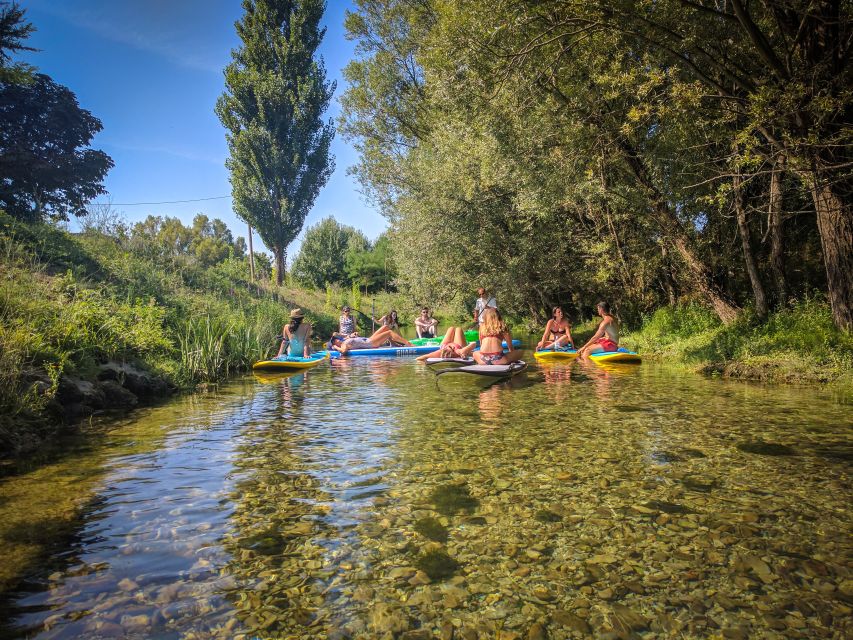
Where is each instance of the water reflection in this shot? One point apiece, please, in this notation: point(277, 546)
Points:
point(361, 499)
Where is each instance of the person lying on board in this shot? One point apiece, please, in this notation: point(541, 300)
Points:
point(493, 331)
point(426, 325)
point(452, 342)
point(297, 336)
point(378, 339)
point(606, 338)
point(558, 332)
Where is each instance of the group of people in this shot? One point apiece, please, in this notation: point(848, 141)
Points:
point(495, 338)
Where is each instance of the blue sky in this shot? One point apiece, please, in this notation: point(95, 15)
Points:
point(151, 70)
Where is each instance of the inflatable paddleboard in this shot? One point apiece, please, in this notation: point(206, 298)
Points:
point(440, 364)
point(385, 351)
point(565, 355)
point(622, 355)
point(291, 363)
point(488, 370)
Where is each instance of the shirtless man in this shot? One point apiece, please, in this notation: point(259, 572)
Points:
point(606, 338)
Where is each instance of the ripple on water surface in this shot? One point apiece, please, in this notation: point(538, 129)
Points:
point(363, 499)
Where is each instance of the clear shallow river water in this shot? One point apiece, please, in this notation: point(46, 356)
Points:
point(368, 499)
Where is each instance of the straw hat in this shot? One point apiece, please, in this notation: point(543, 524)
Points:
point(296, 313)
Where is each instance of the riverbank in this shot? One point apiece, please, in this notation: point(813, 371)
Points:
point(798, 344)
point(93, 323)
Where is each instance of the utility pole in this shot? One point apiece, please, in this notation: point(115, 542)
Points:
point(251, 257)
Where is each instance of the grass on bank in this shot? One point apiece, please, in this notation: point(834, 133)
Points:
point(70, 302)
point(795, 344)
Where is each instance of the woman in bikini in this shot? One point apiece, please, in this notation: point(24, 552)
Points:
point(389, 320)
point(493, 331)
point(559, 330)
point(450, 347)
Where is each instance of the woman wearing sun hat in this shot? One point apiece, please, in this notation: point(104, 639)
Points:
point(297, 335)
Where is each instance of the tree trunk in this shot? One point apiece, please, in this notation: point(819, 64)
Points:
point(774, 211)
point(748, 257)
point(835, 224)
point(280, 257)
point(673, 231)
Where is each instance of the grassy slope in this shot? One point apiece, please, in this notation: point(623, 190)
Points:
point(69, 303)
point(798, 344)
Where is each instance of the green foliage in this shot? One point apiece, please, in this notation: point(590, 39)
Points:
point(356, 297)
point(205, 243)
point(323, 254)
point(371, 266)
point(276, 94)
point(46, 168)
point(70, 303)
point(800, 342)
point(511, 148)
point(14, 30)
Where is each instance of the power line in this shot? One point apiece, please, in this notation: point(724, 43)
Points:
point(136, 204)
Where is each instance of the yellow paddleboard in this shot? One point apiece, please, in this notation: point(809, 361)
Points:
point(288, 363)
point(555, 356)
point(616, 356)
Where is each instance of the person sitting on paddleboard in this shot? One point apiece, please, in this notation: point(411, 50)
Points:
point(346, 324)
point(606, 338)
point(425, 324)
point(493, 331)
point(451, 344)
point(558, 332)
point(297, 336)
point(350, 343)
point(389, 320)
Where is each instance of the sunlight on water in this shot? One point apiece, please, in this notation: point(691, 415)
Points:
point(368, 498)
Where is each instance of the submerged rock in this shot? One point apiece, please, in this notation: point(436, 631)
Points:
point(432, 529)
point(761, 448)
point(437, 565)
point(450, 499)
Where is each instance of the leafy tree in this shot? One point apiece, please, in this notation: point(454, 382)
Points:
point(323, 254)
point(371, 267)
point(46, 169)
point(205, 243)
point(276, 93)
point(14, 29)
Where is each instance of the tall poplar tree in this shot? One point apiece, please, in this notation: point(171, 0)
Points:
point(276, 93)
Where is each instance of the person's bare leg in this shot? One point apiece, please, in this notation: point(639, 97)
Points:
point(396, 337)
point(448, 337)
point(458, 336)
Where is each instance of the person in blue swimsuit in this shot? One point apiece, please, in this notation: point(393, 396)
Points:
point(297, 336)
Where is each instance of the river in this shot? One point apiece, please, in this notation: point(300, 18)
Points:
point(367, 498)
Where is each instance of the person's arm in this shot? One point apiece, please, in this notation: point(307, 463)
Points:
point(569, 335)
point(596, 336)
point(545, 334)
point(284, 341)
point(306, 349)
